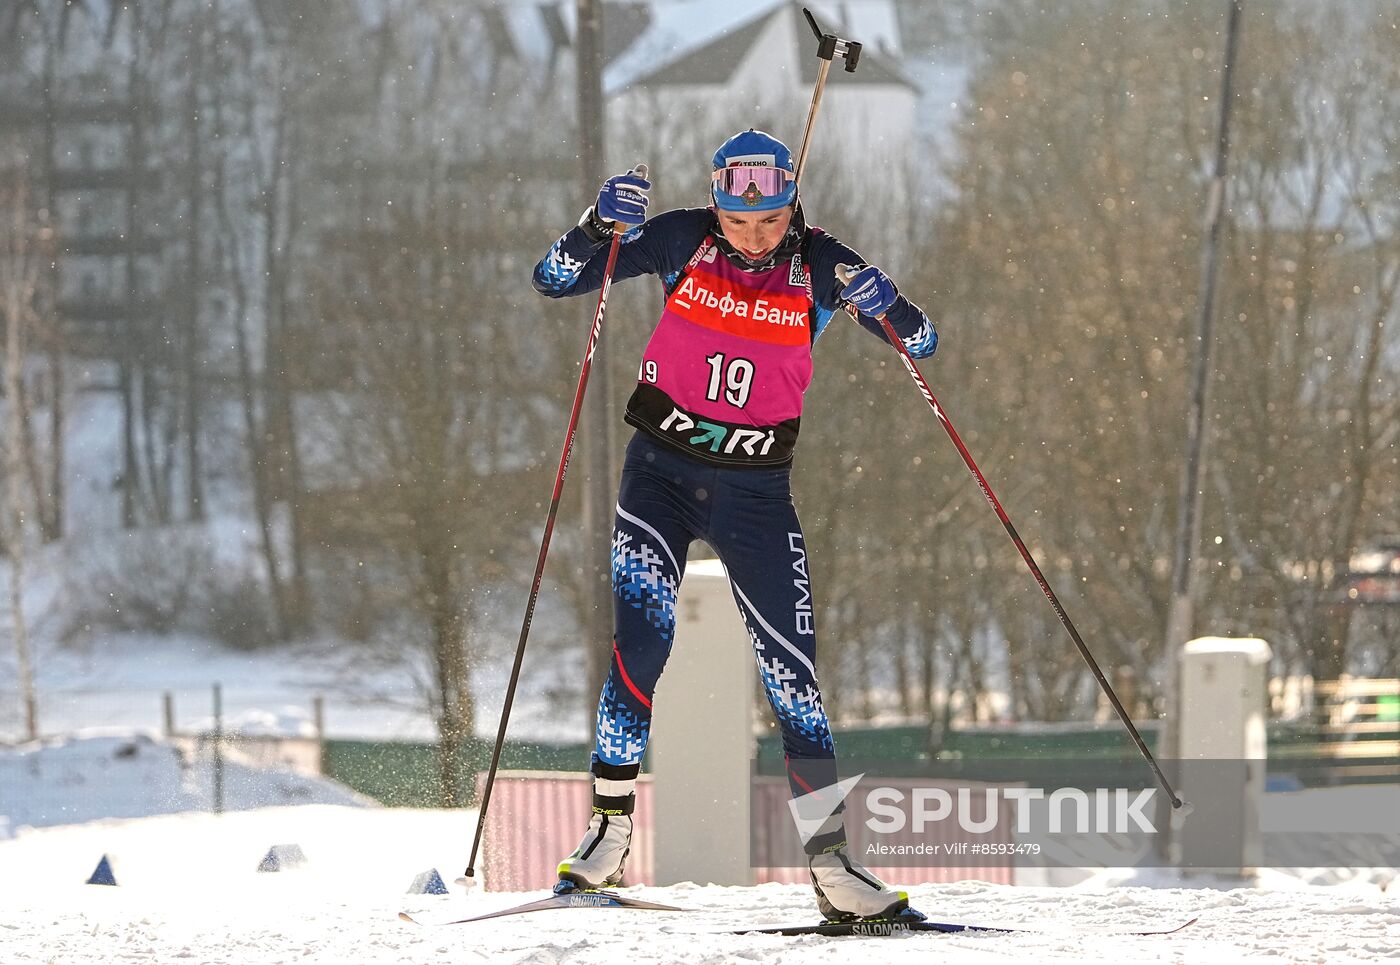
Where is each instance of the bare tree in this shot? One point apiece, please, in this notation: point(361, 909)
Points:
point(1070, 245)
point(1305, 367)
point(435, 387)
point(25, 247)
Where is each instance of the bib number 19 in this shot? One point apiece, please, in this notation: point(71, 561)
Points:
point(735, 379)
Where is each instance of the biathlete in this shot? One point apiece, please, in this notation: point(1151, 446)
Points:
point(749, 287)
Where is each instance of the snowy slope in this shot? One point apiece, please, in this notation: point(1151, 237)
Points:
point(117, 681)
point(188, 891)
point(188, 888)
point(126, 775)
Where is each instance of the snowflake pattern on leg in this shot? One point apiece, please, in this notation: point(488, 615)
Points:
point(622, 734)
point(798, 711)
point(640, 578)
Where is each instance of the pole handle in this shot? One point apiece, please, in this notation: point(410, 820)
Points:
point(844, 274)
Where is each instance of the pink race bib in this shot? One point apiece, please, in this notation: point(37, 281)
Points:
point(724, 373)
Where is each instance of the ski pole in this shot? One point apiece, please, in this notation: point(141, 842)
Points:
point(828, 46)
point(843, 275)
point(469, 876)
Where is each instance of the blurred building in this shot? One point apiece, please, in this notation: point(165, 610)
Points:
point(1373, 574)
point(696, 72)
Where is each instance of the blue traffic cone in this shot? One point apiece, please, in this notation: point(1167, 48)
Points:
point(102, 874)
point(281, 857)
point(428, 883)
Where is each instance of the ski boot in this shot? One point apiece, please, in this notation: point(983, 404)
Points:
point(601, 857)
point(848, 892)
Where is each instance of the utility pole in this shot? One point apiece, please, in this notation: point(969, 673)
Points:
point(1181, 618)
point(598, 411)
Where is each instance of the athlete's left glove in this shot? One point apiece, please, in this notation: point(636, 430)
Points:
point(870, 291)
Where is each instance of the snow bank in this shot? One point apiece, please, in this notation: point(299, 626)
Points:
point(130, 774)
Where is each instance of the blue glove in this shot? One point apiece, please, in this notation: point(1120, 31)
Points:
point(870, 291)
point(623, 198)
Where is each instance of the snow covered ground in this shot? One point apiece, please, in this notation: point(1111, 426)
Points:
point(188, 889)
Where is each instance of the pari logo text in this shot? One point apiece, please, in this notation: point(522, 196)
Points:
point(699, 432)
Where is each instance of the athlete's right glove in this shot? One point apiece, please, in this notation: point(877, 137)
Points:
point(623, 199)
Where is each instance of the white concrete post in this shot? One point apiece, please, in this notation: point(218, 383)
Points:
point(702, 741)
point(1224, 716)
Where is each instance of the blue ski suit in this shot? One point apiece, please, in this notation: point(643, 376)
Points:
point(681, 481)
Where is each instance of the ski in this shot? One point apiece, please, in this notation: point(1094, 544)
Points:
point(570, 899)
point(888, 927)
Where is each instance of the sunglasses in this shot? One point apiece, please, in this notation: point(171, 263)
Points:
point(745, 180)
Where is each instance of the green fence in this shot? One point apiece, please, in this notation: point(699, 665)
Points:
point(1017, 742)
point(402, 774)
point(405, 774)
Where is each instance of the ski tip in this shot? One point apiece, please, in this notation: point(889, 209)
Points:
point(405, 916)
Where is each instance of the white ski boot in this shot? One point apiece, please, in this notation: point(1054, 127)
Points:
point(845, 890)
point(601, 856)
